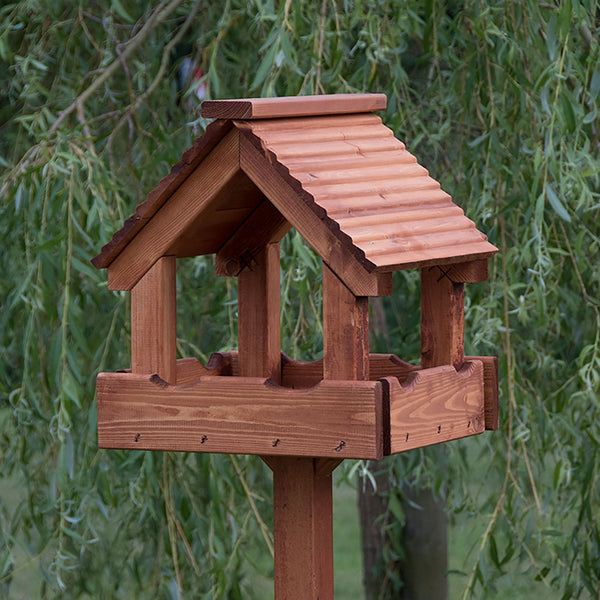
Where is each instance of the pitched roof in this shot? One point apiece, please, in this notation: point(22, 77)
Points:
point(357, 189)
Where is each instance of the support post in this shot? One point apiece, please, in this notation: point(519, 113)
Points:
point(442, 319)
point(425, 537)
point(154, 322)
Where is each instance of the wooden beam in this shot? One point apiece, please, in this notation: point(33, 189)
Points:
point(345, 330)
point(259, 331)
point(264, 226)
point(171, 220)
point(474, 271)
point(299, 209)
point(490, 382)
point(292, 106)
point(239, 415)
point(298, 374)
point(154, 322)
point(303, 529)
point(442, 319)
point(436, 405)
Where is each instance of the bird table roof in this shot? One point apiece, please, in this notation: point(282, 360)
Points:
point(356, 188)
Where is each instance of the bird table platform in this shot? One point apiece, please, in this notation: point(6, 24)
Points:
point(327, 166)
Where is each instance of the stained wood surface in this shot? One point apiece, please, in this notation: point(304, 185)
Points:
point(154, 321)
point(167, 224)
point(259, 332)
point(353, 167)
point(299, 374)
point(292, 202)
point(442, 319)
point(302, 509)
point(265, 225)
point(436, 405)
point(292, 106)
point(239, 416)
point(343, 180)
point(345, 331)
point(468, 272)
point(190, 370)
point(490, 382)
point(158, 196)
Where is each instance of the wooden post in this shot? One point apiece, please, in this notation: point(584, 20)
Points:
point(154, 322)
point(425, 536)
point(259, 330)
point(345, 356)
point(442, 319)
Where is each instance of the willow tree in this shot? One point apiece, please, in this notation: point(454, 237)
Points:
point(499, 100)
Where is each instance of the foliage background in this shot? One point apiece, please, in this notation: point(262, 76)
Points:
point(499, 100)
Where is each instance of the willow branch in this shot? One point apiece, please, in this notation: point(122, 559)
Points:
point(157, 17)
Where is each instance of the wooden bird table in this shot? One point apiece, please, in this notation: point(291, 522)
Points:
point(328, 167)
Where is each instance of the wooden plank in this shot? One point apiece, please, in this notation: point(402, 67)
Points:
point(292, 106)
point(345, 330)
point(158, 196)
point(389, 365)
point(302, 508)
point(468, 272)
point(154, 321)
point(291, 124)
point(436, 405)
point(345, 356)
point(428, 257)
point(239, 415)
point(490, 382)
point(190, 370)
point(171, 220)
point(299, 209)
point(259, 332)
point(264, 226)
point(442, 320)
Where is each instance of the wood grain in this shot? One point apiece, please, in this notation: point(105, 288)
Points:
point(259, 332)
point(490, 383)
point(190, 370)
point(442, 319)
point(158, 196)
point(359, 167)
point(171, 220)
point(296, 207)
point(345, 331)
point(292, 106)
point(474, 271)
point(302, 510)
point(154, 322)
point(436, 405)
point(264, 226)
point(239, 416)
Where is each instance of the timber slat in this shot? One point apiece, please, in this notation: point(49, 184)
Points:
point(172, 219)
point(159, 195)
point(436, 405)
point(294, 106)
point(490, 382)
point(239, 415)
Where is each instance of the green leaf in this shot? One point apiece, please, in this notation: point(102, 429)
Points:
point(556, 204)
point(266, 66)
point(120, 10)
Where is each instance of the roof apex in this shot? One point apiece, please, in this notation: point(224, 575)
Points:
point(293, 106)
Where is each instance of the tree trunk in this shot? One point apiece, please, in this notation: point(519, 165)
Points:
point(425, 542)
point(372, 505)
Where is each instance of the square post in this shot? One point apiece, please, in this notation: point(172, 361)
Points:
point(154, 322)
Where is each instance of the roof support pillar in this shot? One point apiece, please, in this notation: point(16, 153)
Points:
point(154, 322)
point(442, 319)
